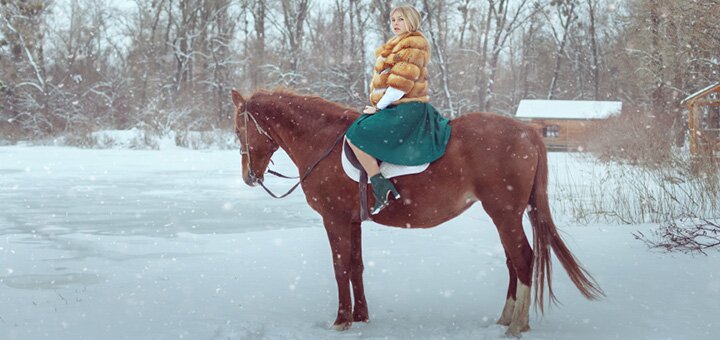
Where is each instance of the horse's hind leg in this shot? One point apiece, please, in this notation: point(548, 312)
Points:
point(360, 308)
point(520, 255)
point(507, 312)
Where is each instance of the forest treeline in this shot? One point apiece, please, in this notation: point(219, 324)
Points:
point(84, 65)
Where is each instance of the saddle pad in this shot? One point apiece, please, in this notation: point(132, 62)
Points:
point(389, 170)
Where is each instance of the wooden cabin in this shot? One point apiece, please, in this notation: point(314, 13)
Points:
point(704, 121)
point(563, 123)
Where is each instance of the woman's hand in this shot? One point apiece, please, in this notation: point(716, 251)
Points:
point(370, 110)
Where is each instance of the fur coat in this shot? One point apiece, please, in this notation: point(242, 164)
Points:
point(401, 63)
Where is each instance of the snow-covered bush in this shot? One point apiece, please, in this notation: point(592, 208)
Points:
point(130, 139)
point(217, 138)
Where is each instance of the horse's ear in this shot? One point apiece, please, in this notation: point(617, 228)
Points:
point(237, 99)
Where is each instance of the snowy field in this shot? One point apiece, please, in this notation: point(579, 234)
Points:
point(121, 244)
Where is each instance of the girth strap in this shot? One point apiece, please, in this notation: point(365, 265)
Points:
point(362, 183)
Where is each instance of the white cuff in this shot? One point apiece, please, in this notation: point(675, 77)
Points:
point(391, 95)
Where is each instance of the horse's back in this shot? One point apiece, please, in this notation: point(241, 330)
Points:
point(500, 153)
point(493, 136)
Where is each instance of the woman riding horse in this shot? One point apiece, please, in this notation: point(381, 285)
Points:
point(400, 127)
point(508, 175)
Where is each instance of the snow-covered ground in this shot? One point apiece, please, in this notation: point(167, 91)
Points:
point(121, 244)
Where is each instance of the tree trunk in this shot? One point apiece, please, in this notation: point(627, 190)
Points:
point(566, 14)
point(383, 8)
point(438, 40)
point(481, 76)
point(360, 61)
point(295, 13)
point(464, 9)
point(658, 93)
point(504, 28)
point(594, 51)
point(257, 76)
point(525, 60)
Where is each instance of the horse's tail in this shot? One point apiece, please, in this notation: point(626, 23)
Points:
point(545, 236)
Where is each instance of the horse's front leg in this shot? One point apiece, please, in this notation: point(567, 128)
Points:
point(340, 237)
point(360, 309)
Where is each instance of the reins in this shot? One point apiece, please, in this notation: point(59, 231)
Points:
point(246, 113)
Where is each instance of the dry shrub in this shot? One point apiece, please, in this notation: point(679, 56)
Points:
point(218, 138)
point(79, 137)
point(687, 234)
point(632, 137)
point(633, 193)
point(9, 134)
point(650, 179)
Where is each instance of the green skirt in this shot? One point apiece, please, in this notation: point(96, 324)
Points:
point(411, 133)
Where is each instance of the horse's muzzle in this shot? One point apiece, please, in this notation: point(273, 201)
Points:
point(252, 180)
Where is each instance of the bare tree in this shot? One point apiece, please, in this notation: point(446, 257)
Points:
point(294, 14)
point(359, 18)
point(658, 102)
point(592, 8)
point(221, 31)
point(437, 31)
point(382, 9)
point(25, 98)
point(528, 37)
point(258, 52)
point(566, 15)
point(342, 71)
point(507, 20)
point(183, 55)
point(464, 9)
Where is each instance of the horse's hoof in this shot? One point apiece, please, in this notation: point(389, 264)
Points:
point(515, 330)
point(361, 315)
point(359, 318)
point(504, 321)
point(343, 326)
point(507, 313)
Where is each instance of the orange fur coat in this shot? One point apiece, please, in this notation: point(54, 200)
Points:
point(401, 63)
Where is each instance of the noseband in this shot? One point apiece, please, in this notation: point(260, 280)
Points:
point(245, 150)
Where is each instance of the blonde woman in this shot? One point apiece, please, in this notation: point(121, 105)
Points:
point(400, 126)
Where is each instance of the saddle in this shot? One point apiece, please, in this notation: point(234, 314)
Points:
point(355, 171)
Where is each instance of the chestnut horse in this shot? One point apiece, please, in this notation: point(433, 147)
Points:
point(490, 159)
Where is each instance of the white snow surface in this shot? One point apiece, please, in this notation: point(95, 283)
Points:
point(567, 109)
point(123, 244)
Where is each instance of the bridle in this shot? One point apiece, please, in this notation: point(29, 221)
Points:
point(245, 150)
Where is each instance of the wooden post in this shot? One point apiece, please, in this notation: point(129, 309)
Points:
point(692, 128)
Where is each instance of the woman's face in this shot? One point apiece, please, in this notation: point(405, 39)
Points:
point(398, 23)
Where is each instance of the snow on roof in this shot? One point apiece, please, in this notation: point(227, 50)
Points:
point(698, 93)
point(567, 109)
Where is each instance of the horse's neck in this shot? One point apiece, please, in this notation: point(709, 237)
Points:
point(305, 134)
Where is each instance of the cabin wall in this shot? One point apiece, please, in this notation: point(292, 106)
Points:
point(704, 123)
point(562, 134)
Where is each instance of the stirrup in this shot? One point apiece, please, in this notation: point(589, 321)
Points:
point(379, 206)
point(382, 188)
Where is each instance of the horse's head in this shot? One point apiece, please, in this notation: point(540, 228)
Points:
point(256, 145)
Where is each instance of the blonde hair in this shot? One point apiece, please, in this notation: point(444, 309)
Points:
point(410, 15)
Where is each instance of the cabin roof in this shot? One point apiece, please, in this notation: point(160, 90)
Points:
point(567, 109)
point(701, 93)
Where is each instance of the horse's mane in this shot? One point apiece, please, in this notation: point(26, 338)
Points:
point(323, 105)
